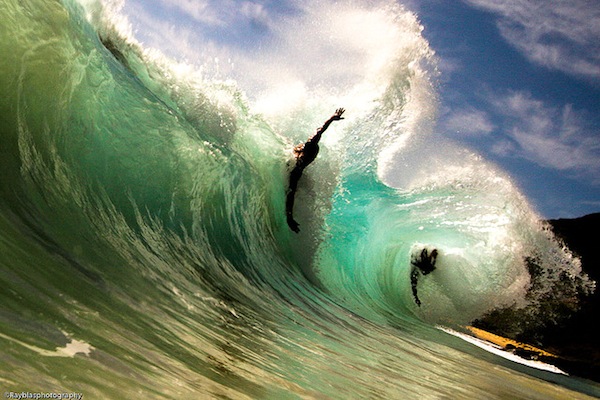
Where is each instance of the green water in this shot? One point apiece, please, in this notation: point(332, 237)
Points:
point(144, 251)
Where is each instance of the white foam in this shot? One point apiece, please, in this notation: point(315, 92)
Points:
point(72, 348)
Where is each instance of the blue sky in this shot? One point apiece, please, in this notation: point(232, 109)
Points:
point(521, 85)
point(519, 80)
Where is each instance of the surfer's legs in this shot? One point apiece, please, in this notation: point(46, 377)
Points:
point(289, 210)
point(414, 279)
point(291, 195)
point(292, 223)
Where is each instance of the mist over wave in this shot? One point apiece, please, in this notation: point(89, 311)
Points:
point(142, 216)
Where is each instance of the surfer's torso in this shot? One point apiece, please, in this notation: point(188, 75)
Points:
point(306, 153)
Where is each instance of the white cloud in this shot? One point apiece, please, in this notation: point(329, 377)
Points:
point(158, 33)
point(200, 10)
point(553, 137)
point(471, 122)
point(255, 12)
point(561, 34)
point(220, 13)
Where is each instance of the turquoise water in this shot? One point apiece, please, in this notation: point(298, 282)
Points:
point(144, 251)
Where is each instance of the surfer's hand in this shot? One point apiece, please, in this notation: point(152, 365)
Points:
point(338, 114)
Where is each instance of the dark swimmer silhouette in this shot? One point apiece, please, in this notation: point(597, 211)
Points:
point(422, 263)
point(305, 154)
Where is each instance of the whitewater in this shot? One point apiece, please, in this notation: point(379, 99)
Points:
point(144, 251)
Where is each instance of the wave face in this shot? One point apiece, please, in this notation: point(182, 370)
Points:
point(144, 248)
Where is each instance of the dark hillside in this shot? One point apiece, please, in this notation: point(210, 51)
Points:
point(577, 338)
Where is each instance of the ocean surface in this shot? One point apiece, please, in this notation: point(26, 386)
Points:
point(144, 251)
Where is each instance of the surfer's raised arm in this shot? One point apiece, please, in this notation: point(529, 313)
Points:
point(335, 117)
